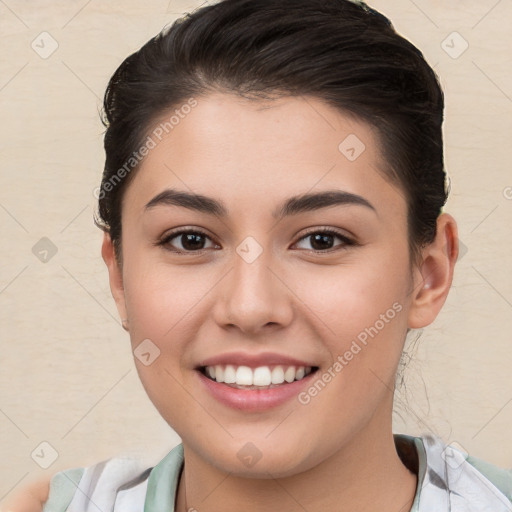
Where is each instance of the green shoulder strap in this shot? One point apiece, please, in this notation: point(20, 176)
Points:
point(62, 489)
point(501, 478)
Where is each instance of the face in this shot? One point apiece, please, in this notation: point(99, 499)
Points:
point(255, 277)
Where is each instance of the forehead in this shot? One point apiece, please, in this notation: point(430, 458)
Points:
point(262, 151)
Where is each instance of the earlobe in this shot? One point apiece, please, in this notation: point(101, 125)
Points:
point(434, 277)
point(115, 277)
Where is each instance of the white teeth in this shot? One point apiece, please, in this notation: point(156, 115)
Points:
point(260, 376)
point(244, 376)
point(230, 374)
point(278, 375)
point(289, 374)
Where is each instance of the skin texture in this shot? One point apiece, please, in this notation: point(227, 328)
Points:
point(337, 452)
point(28, 499)
point(252, 156)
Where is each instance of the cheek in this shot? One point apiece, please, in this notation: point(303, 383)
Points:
point(350, 298)
point(361, 309)
point(163, 307)
point(161, 303)
point(365, 315)
point(160, 298)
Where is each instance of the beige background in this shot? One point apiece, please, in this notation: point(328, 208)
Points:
point(66, 373)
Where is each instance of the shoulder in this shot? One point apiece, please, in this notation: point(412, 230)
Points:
point(453, 477)
point(62, 488)
point(118, 484)
point(102, 485)
point(501, 478)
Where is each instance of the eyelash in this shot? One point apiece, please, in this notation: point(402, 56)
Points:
point(328, 231)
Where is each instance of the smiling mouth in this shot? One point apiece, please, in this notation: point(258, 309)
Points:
point(262, 377)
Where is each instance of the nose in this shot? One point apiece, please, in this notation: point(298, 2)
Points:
point(254, 296)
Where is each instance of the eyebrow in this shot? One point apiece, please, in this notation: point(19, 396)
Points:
point(292, 206)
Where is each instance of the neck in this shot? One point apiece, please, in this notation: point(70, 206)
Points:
point(365, 475)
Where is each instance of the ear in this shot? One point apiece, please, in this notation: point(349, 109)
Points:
point(115, 275)
point(433, 279)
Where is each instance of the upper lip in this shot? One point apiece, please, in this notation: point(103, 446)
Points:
point(254, 360)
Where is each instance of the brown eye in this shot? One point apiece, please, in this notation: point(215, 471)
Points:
point(186, 241)
point(324, 240)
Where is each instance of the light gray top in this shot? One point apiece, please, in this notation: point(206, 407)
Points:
point(448, 481)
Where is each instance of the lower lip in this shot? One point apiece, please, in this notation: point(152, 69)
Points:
point(255, 400)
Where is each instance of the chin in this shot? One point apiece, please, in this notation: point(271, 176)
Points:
point(260, 458)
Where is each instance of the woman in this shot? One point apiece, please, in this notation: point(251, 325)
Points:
point(272, 203)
